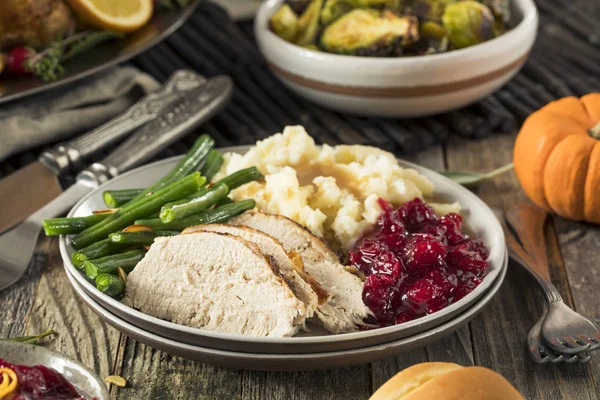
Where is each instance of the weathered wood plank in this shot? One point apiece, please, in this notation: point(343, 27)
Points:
point(580, 248)
point(499, 333)
point(79, 332)
point(345, 383)
point(154, 375)
point(17, 300)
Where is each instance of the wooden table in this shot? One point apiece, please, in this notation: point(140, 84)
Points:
point(495, 338)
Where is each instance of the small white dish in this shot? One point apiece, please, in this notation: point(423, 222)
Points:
point(478, 216)
point(290, 362)
point(87, 383)
point(399, 86)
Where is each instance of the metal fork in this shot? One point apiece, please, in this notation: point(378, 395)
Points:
point(563, 330)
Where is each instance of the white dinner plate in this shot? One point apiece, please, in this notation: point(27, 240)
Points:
point(478, 217)
point(291, 362)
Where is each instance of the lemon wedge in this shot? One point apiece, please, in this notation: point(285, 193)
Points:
point(115, 15)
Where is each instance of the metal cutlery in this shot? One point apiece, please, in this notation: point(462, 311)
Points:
point(561, 335)
point(181, 116)
point(41, 176)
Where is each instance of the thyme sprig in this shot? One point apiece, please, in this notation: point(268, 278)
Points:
point(47, 64)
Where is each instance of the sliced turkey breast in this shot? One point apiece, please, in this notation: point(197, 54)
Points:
point(214, 281)
point(344, 310)
point(269, 246)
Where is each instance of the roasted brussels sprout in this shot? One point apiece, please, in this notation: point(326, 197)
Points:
point(285, 23)
point(500, 9)
point(427, 10)
point(370, 32)
point(298, 6)
point(433, 38)
point(333, 9)
point(308, 23)
point(468, 23)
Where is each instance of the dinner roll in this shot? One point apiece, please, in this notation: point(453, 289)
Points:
point(446, 381)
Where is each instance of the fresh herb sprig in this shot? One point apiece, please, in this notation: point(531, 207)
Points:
point(47, 64)
point(30, 339)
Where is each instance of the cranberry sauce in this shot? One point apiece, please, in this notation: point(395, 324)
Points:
point(39, 382)
point(416, 263)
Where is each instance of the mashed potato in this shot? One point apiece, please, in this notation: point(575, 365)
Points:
point(333, 191)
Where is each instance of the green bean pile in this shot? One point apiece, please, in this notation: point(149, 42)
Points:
point(111, 242)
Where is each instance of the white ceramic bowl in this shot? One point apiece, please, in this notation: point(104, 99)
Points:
point(400, 86)
point(478, 217)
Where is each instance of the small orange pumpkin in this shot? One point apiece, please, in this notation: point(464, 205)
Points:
point(557, 157)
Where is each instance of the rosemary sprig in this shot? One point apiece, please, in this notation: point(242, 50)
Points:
point(30, 339)
point(471, 179)
point(48, 64)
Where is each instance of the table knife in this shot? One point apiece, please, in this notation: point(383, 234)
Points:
point(195, 107)
point(36, 184)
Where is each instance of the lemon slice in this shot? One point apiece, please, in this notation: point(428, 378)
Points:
point(115, 15)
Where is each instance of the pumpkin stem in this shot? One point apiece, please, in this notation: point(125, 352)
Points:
point(595, 131)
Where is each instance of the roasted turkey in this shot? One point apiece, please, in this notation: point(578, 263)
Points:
point(34, 23)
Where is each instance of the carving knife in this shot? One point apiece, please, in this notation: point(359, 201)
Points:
point(193, 108)
point(33, 186)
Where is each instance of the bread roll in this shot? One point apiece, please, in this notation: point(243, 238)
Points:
point(446, 381)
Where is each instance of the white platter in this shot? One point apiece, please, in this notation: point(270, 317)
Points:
point(291, 362)
point(480, 219)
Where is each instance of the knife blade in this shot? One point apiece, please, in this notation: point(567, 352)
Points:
point(193, 108)
point(35, 185)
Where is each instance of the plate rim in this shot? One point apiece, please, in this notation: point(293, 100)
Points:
point(472, 297)
point(185, 15)
point(439, 332)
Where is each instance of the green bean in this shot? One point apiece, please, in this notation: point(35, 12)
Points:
point(143, 238)
point(140, 209)
point(110, 264)
point(111, 285)
point(195, 206)
point(193, 160)
point(219, 214)
point(99, 249)
point(116, 198)
point(73, 225)
point(214, 161)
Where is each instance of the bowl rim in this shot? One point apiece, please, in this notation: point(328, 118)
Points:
point(262, 33)
point(497, 253)
point(73, 364)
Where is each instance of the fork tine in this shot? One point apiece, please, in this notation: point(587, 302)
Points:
point(583, 357)
point(593, 342)
point(564, 346)
point(570, 359)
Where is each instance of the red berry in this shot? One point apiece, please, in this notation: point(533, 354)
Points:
point(416, 212)
point(16, 60)
point(466, 284)
point(425, 297)
point(423, 253)
point(377, 291)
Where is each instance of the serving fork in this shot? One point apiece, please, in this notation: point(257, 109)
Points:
point(561, 334)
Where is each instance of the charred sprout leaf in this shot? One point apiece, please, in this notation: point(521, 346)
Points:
point(468, 23)
point(432, 39)
point(30, 339)
point(427, 10)
point(471, 179)
point(334, 9)
point(308, 23)
point(370, 32)
point(298, 6)
point(500, 9)
point(285, 23)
